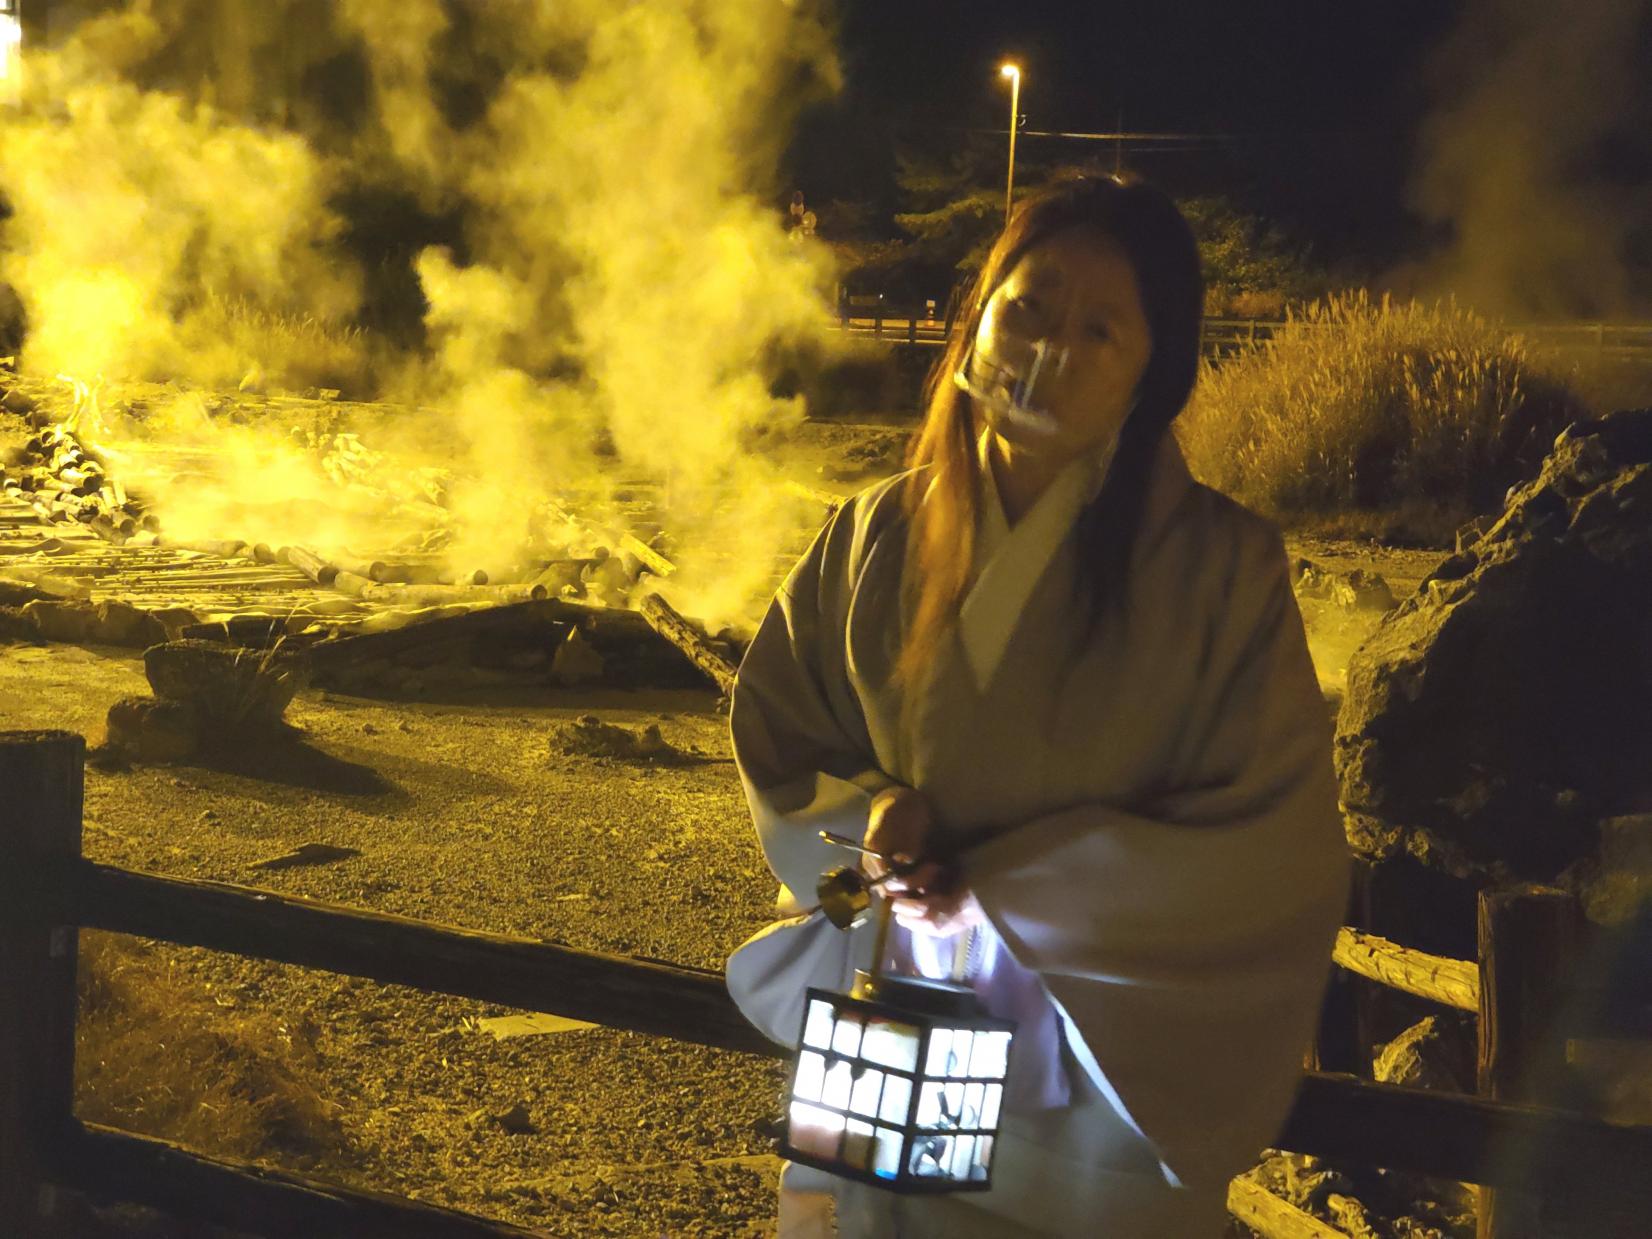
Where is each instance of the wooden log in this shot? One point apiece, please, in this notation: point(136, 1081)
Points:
point(190, 1184)
point(1450, 1136)
point(665, 620)
point(439, 595)
point(352, 583)
point(41, 774)
point(371, 570)
point(1452, 982)
point(667, 1000)
point(1273, 1217)
point(651, 559)
point(354, 648)
point(232, 548)
point(1528, 945)
point(309, 563)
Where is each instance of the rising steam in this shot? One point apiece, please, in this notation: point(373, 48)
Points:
point(1511, 163)
point(608, 295)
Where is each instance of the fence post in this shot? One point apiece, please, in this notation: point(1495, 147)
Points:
point(1528, 942)
point(41, 782)
point(1344, 1040)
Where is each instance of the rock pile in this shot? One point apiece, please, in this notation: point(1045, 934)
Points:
point(1498, 715)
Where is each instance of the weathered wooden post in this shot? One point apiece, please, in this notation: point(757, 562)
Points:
point(1529, 936)
point(1344, 1040)
point(41, 782)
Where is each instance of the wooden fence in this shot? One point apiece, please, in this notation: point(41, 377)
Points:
point(1224, 337)
point(1581, 1167)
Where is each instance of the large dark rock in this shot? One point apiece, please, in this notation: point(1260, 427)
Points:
point(1499, 714)
point(232, 691)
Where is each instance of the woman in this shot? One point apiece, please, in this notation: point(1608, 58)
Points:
point(1074, 684)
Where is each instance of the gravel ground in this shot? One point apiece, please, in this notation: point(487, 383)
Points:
point(463, 814)
point(469, 811)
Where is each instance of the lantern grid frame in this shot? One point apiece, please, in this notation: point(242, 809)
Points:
point(904, 1181)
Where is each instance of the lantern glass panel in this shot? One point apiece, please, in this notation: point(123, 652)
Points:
point(931, 1156)
point(886, 1159)
point(890, 1043)
point(811, 1076)
point(813, 1130)
point(863, 1097)
point(940, 1042)
point(817, 1029)
point(990, 1105)
point(983, 1158)
point(846, 1036)
point(897, 1100)
point(989, 1055)
point(857, 1144)
point(839, 1081)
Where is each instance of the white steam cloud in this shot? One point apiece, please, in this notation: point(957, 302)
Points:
point(1511, 162)
point(614, 285)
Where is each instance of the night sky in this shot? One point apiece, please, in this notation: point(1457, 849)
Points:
point(1324, 100)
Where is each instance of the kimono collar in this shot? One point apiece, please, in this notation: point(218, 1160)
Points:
point(1009, 561)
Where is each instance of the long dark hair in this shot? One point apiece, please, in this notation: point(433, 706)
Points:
point(941, 539)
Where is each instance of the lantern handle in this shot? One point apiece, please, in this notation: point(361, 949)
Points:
point(892, 867)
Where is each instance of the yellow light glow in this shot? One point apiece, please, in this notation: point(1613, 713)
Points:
point(11, 39)
point(1010, 70)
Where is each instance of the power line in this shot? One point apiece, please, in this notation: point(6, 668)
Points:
point(1145, 136)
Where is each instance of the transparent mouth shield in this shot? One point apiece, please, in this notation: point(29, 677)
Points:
point(1007, 384)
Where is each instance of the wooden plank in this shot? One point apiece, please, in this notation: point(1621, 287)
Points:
point(41, 789)
point(1453, 982)
point(1273, 1217)
point(666, 1000)
point(1449, 1136)
point(115, 1164)
point(1528, 945)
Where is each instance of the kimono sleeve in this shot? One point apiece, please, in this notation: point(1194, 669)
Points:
point(799, 736)
point(1188, 940)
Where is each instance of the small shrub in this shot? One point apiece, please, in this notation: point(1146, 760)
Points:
point(1363, 409)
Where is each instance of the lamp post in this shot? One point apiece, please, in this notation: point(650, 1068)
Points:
point(1013, 72)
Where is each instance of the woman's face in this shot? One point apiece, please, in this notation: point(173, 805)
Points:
point(1076, 294)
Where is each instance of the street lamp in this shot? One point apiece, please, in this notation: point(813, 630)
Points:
point(1013, 72)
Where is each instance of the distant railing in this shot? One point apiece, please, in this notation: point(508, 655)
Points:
point(870, 319)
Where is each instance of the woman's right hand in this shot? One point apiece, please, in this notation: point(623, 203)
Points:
point(898, 825)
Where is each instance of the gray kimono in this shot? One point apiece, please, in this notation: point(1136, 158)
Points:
point(1151, 825)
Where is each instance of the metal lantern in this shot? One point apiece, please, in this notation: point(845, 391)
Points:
point(899, 1083)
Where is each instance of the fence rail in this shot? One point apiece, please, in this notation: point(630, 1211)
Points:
point(1225, 337)
point(49, 891)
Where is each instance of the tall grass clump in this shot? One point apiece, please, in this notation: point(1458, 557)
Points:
point(1367, 416)
point(154, 1056)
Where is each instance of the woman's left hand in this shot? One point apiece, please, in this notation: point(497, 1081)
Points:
point(933, 900)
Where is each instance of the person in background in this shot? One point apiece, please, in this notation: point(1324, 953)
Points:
point(1071, 686)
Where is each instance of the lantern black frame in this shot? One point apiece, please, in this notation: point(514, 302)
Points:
point(905, 1182)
